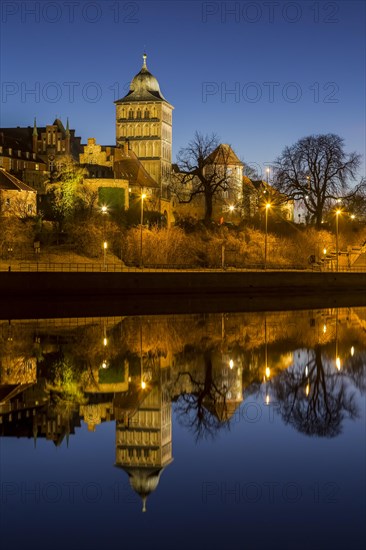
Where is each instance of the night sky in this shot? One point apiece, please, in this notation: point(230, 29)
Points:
point(294, 68)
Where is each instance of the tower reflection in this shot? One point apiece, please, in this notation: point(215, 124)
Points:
point(57, 374)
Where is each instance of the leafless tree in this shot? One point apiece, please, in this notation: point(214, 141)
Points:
point(200, 173)
point(328, 403)
point(318, 171)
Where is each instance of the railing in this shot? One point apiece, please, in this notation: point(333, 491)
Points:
point(70, 267)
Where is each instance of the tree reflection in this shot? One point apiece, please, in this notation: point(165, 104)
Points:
point(201, 406)
point(316, 400)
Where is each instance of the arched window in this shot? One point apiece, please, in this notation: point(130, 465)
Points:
point(130, 113)
point(147, 114)
point(138, 114)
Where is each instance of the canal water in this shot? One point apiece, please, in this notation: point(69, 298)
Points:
point(212, 431)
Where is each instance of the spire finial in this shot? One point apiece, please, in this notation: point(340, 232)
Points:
point(144, 57)
point(35, 127)
point(144, 504)
point(67, 126)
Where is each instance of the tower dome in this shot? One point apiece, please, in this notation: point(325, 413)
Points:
point(144, 481)
point(145, 81)
point(144, 86)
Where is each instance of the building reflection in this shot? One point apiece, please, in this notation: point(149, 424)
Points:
point(144, 435)
point(57, 374)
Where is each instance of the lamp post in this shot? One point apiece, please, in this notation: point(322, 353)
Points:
point(268, 206)
point(337, 216)
point(142, 381)
point(104, 210)
point(143, 196)
point(105, 246)
point(268, 171)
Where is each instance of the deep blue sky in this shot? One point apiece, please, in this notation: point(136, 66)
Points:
point(321, 52)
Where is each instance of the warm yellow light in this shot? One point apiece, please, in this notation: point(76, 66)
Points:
point(338, 212)
point(104, 209)
point(267, 399)
point(307, 389)
point(104, 341)
point(268, 205)
point(231, 208)
point(105, 245)
point(143, 385)
point(352, 216)
point(268, 372)
point(338, 363)
point(143, 196)
point(268, 170)
point(324, 251)
point(104, 365)
point(324, 328)
point(352, 351)
point(231, 363)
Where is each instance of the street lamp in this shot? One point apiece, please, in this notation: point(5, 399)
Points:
point(338, 212)
point(104, 210)
point(143, 196)
point(105, 246)
point(268, 206)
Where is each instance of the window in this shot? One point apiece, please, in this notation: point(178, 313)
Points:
point(130, 114)
point(37, 166)
point(147, 114)
point(138, 113)
point(10, 151)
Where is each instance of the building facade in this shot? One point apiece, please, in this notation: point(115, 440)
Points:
point(144, 119)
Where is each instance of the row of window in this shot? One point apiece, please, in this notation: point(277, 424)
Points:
point(138, 113)
point(144, 130)
point(10, 152)
point(19, 165)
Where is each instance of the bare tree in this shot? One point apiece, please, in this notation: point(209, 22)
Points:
point(194, 409)
point(203, 170)
point(321, 409)
point(317, 171)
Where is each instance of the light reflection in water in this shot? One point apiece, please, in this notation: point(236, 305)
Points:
point(135, 371)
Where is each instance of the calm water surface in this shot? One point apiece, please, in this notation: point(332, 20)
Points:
point(197, 431)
